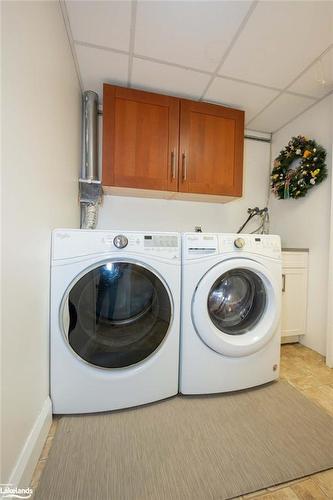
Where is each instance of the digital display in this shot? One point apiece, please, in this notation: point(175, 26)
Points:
point(257, 239)
point(160, 241)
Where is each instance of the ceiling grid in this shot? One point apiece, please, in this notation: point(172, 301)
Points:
point(71, 41)
point(285, 90)
point(132, 41)
point(233, 41)
point(176, 47)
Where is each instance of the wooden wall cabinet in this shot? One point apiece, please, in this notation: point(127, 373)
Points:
point(165, 146)
point(211, 149)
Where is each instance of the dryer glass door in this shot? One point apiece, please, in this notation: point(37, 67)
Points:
point(237, 301)
point(119, 314)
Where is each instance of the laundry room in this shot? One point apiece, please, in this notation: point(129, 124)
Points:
point(167, 250)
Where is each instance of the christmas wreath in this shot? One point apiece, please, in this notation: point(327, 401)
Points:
point(289, 182)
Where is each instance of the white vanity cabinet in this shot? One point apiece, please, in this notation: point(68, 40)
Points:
point(294, 294)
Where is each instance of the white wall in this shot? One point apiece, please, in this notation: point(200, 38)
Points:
point(41, 156)
point(306, 222)
point(129, 213)
point(329, 329)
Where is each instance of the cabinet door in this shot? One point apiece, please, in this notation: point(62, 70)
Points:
point(294, 302)
point(140, 139)
point(211, 149)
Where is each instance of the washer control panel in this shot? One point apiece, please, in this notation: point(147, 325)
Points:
point(200, 245)
point(239, 243)
point(260, 244)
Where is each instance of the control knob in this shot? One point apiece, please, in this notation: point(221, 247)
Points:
point(239, 243)
point(120, 241)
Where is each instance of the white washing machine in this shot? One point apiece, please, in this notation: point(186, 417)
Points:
point(115, 299)
point(231, 300)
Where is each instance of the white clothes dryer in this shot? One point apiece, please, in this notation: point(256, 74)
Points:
point(115, 299)
point(231, 301)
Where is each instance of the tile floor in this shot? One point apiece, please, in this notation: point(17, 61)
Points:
point(305, 370)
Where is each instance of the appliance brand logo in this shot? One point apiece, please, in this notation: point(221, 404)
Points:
point(62, 236)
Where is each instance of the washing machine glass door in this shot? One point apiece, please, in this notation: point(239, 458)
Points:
point(237, 301)
point(117, 314)
point(236, 307)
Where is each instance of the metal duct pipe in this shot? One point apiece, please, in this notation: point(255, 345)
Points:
point(90, 136)
point(90, 185)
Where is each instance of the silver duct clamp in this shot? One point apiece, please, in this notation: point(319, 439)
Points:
point(90, 191)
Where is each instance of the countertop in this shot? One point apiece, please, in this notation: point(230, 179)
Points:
point(295, 249)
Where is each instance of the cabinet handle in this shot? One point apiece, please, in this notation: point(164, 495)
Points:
point(173, 165)
point(184, 167)
point(283, 282)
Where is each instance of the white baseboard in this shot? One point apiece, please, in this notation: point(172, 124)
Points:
point(28, 458)
point(290, 339)
point(329, 360)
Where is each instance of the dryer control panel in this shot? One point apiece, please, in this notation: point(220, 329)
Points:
point(73, 243)
point(165, 245)
point(160, 241)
